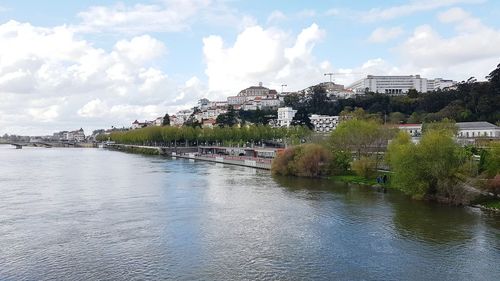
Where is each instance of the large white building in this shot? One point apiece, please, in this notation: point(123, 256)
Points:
point(252, 93)
point(397, 85)
point(285, 116)
point(324, 123)
point(472, 130)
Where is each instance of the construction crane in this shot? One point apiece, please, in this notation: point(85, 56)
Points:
point(331, 74)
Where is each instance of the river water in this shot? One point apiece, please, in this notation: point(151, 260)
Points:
point(92, 214)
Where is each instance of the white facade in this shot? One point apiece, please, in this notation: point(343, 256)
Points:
point(415, 130)
point(259, 103)
point(158, 121)
point(212, 113)
point(324, 123)
point(397, 85)
point(182, 116)
point(252, 93)
point(472, 130)
point(77, 136)
point(285, 116)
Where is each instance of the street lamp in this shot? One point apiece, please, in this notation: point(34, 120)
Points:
point(282, 86)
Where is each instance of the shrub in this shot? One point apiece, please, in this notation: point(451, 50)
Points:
point(493, 184)
point(308, 160)
point(364, 167)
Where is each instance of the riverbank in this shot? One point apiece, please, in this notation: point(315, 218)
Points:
point(191, 153)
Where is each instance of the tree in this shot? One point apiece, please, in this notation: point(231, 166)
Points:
point(166, 120)
point(227, 119)
point(301, 118)
point(307, 160)
point(358, 136)
point(396, 117)
point(428, 168)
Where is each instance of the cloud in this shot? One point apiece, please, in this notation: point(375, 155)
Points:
point(414, 6)
point(276, 16)
point(473, 49)
point(382, 35)
point(64, 82)
point(166, 16)
point(269, 55)
point(160, 17)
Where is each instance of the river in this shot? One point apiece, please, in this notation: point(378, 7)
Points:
point(92, 214)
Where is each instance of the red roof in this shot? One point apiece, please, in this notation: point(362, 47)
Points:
point(409, 125)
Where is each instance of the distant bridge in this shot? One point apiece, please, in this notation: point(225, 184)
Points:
point(20, 145)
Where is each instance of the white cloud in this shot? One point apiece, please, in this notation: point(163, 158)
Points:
point(409, 8)
point(51, 79)
point(382, 35)
point(472, 50)
point(276, 16)
point(161, 16)
point(166, 16)
point(267, 55)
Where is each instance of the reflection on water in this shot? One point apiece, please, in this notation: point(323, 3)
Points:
point(80, 214)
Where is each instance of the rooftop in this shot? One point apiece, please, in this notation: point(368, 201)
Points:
point(476, 125)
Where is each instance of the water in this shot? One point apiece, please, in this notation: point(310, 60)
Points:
point(90, 214)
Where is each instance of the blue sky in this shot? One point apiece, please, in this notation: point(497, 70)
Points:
point(93, 64)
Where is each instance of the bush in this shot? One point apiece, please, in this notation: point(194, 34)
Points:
point(493, 184)
point(364, 167)
point(308, 160)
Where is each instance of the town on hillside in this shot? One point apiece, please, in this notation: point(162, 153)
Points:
point(320, 107)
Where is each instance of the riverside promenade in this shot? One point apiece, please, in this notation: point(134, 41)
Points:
point(245, 161)
point(250, 159)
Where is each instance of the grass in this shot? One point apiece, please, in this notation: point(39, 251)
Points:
point(494, 204)
point(354, 179)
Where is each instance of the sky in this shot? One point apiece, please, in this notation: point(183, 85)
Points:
point(66, 65)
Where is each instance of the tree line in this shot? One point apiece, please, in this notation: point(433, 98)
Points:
point(173, 136)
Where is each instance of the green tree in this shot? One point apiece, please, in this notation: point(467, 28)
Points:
point(427, 168)
point(227, 119)
point(166, 120)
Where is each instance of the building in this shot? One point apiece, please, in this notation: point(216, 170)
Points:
point(261, 103)
point(473, 130)
point(76, 136)
point(324, 123)
point(415, 130)
point(208, 123)
point(212, 113)
point(285, 116)
point(182, 116)
point(137, 125)
point(327, 87)
point(397, 85)
point(251, 93)
point(158, 121)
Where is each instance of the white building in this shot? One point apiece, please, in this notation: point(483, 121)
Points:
point(252, 93)
point(77, 136)
point(324, 123)
point(397, 85)
point(182, 116)
point(475, 130)
point(415, 130)
point(158, 121)
point(285, 116)
point(212, 113)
